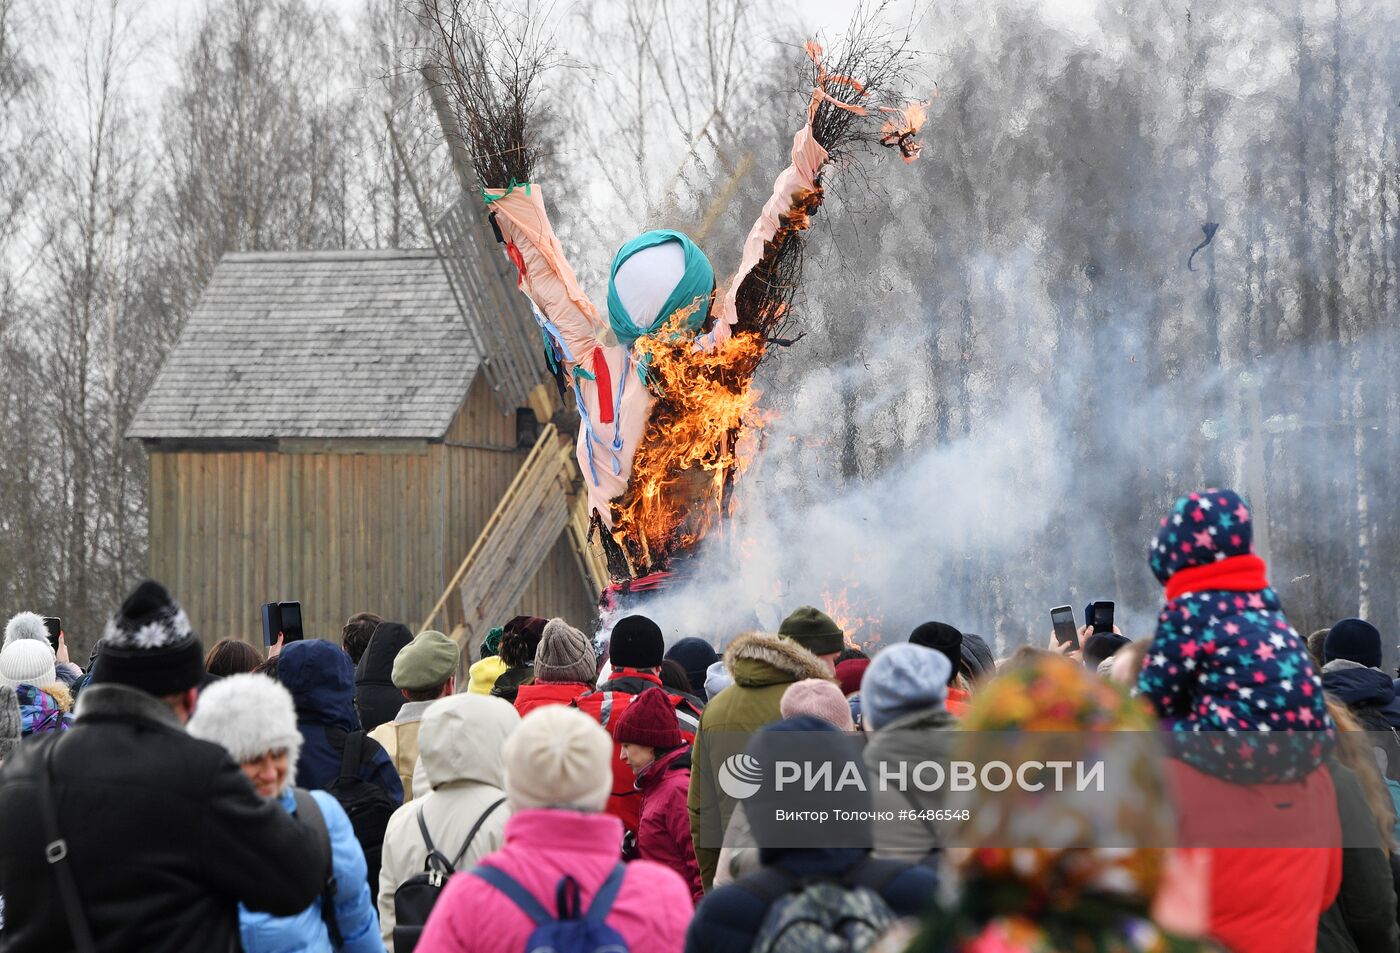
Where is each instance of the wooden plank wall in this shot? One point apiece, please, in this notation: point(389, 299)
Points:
point(342, 532)
point(477, 478)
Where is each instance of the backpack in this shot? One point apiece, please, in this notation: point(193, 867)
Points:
point(569, 932)
point(415, 897)
point(823, 916)
point(368, 806)
point(309, 813)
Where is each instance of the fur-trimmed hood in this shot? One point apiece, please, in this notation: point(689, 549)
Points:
point(756, 659)
point(60, 694)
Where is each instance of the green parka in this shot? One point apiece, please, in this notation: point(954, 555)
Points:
point(763, 667)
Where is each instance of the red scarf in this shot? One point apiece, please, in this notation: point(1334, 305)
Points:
point(1233, 574)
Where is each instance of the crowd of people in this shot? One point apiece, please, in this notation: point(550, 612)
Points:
point(561, 791)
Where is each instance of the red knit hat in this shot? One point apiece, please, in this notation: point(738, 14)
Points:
point(650, 720)
point(849, 674)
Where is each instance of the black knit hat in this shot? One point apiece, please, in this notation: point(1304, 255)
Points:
point(636, 642)
point(1355, 640)
point(149, 645)
point(941, 637)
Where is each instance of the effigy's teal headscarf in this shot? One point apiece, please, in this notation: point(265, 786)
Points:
point(697, 282)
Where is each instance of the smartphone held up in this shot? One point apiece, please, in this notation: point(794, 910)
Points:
point(1066, 632)
point(282, 618)
point(55, 627)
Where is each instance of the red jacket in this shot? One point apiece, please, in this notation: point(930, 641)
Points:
point(1275, 856)
point(605, 705)
point(663, 834)
point(538, 694)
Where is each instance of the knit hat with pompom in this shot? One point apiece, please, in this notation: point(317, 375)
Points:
point(148, 644)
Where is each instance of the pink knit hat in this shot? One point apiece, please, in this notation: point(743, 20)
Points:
point(819, 698)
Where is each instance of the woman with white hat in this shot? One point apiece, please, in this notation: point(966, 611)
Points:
point(561, 851)
point(28, 666)
point(252, 716)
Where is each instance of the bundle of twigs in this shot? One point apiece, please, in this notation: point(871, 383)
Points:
point(867, 69)
point(492, 61)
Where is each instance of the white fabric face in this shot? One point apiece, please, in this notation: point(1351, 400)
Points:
point(646, 280)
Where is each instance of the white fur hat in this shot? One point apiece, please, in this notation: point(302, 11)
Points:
point(26, 662)
point(26, 625)
point(558, 757)
point(249, 715)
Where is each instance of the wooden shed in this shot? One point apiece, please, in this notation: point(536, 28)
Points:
point(324, 430)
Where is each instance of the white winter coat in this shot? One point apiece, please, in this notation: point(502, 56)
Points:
point(459, 745)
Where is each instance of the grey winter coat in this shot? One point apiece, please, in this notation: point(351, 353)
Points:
point(905, 742)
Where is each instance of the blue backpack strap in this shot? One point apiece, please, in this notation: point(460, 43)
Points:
point(517, 894)
point(607, 893)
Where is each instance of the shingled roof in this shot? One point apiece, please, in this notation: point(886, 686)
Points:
point(359, 344)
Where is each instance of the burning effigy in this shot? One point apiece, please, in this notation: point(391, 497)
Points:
point(662, 372)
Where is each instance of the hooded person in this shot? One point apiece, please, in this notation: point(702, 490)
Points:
point(695, 656)
point(165, 835)
point(557, 781)
point(733, 917)
point(30, 625)
point(1351, 673)
point(45, 705)
point(904, 707)
point(519, 643)
point(636, 650)
point(10, 722)
point(1224, 659)
point(376, 698)
point(1063, 871)
point(253, 718)
point(319, 676)
point(762, 666)
point(336, 754)
point(488, 667)
point(565, 666)
point(424, 671)
point(942, 637)
point(460, 742)
point(652, 747)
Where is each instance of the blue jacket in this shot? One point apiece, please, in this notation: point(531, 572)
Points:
point(322, 683)
point(1369, 695)
point(305, 932)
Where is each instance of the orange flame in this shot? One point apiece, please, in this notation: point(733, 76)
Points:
point(852, 622)
point(689, 455)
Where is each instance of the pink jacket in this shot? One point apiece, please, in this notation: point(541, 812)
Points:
point(651, 912)
point(663, 833)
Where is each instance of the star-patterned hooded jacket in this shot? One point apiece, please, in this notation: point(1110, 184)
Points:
point(1225, 660)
